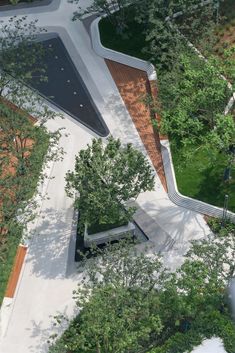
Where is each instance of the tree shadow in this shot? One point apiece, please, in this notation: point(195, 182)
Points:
point(213, 188)
point(42, 336)
point(171, 229)
point(52, 246)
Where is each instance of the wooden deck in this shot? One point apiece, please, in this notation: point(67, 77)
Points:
point(133, 85)
point(15, 273)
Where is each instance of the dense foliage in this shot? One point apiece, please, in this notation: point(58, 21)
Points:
point(192, 94)
point(194, 98)
point(129, 303)
point(105, 178)
point(22, 151)
point(115, 10)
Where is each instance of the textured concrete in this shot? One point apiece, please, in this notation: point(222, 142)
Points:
point(49, 276)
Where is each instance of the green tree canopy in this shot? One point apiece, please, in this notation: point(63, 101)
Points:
point(21, 53)
point(129, 303)
point(194, 97)
point(105, 178)
point(115, 10)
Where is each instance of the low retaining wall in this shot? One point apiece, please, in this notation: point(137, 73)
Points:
point(117, 56)
point(108, 235)
point(185, 201)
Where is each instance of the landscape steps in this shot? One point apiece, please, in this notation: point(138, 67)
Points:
point(152, 228)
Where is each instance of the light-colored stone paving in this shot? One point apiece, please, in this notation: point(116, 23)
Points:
point(48, 276)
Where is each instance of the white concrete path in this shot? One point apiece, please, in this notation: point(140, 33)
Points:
point(48, 276)
point(213, 345)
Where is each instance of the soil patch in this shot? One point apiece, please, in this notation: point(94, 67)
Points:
point(133, 85)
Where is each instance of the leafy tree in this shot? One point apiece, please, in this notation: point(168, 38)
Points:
point(129, 303)
point(122, 306)
point(192, 25)
point(106, 177)
point(228, 63)
point(194, 97)
point(22, 151)
point(162, 38)
point(21, 61)
point(21, 54)
point(164, 22)
point(115, 10)
point(16, 138)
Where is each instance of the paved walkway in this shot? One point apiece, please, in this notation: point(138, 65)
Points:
point(48, 277)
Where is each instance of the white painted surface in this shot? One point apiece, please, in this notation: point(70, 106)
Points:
point(213, 345)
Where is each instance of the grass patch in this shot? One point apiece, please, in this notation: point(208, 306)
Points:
point(202, 180)
point(9, 245)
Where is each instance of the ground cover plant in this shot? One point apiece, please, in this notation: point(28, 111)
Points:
point(217, 38)
point(224, 46)
point(129, 302)
point(22, 152)
point(191, 93)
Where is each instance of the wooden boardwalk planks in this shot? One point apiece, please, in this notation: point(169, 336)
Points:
point(133, 85)
point(15, 273)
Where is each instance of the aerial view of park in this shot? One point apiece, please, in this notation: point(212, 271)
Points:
point(117, 176)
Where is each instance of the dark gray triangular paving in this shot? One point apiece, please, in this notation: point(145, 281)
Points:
point(65, 87)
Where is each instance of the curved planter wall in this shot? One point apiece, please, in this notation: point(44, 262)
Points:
point(173, 193)
point(185, 201)
point(117, 56)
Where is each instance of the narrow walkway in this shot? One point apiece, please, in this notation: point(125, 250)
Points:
point(133, 85)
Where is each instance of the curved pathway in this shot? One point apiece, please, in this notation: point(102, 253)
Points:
point(48, 276)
